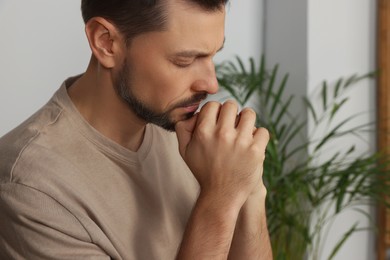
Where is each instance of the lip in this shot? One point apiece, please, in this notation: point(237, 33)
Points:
point(192, 108)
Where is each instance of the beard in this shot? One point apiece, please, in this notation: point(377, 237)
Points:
point(123, 87)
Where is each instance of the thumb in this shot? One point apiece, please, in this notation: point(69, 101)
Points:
point(184, 130)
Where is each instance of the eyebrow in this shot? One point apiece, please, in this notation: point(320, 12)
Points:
point(195, 53)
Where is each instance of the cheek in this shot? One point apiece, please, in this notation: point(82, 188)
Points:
point(162, 86)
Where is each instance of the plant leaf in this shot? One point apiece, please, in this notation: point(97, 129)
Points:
point(333, 132)
point(324, 95)
point(336, 108)
point(271, 84)
point(337, 88)
point(278, 97)
point(342, 241)
point(311, 109)
point(242, 66)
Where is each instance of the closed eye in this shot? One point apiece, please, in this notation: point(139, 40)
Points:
point(183, 63)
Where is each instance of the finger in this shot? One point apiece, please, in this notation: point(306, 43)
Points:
point(208, 114)
point(246, 122)
point(184, 131)
point(228, 114)
point(261, 137)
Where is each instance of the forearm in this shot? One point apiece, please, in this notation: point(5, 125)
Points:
point(226, 156)
point(210, 230)
point(251, 238)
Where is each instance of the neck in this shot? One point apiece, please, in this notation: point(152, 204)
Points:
point(95, 97)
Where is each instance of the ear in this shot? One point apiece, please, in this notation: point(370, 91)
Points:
point(105, 41)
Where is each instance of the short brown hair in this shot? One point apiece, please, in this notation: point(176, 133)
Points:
point(134, 17)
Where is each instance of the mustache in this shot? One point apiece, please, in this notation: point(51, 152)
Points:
point(197, 98)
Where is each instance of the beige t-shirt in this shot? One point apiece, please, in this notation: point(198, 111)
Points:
point(68, 192)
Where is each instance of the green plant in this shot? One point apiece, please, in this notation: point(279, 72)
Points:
point(306, 190)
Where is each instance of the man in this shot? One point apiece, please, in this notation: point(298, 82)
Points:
point(92, 175)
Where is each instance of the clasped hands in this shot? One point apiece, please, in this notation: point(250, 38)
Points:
point(225, 152)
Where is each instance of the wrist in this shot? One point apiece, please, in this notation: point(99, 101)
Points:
point(220, 204)
point(210, 229)
point(259, 193)
point(255, 202)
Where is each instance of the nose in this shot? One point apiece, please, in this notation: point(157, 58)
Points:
point(207, 80)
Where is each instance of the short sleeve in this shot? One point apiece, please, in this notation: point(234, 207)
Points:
point(35, 226)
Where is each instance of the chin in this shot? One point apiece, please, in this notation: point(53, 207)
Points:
point(168, 123)
point(168, 127)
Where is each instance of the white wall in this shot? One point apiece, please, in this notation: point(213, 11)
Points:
point(244, 28)
point(341, 42)
point(316, 40)
point(42, 43)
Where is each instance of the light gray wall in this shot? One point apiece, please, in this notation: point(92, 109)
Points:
point(285, 38)
point(316, 40)
point(42, 43)
point(244, 28)
point(342, 42)
point(285, 44)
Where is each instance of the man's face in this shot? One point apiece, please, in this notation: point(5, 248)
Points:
point(165, 75)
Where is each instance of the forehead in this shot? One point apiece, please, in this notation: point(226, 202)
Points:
point(188, 21)
point(188, 27)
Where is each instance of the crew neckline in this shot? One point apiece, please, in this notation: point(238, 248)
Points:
point(102, 142)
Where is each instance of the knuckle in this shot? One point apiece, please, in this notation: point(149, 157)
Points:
point(202, 131)
point(248, 115)
point(230, 103)
point(254, 149)
point(257, 151)
point(263, 190)
point(264, 132)
point(243, 143)
point(225, 135)
point(262, 156)
point(211, 104)
point(248, 112)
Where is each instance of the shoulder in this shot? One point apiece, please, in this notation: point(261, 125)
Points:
point(19, 145)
